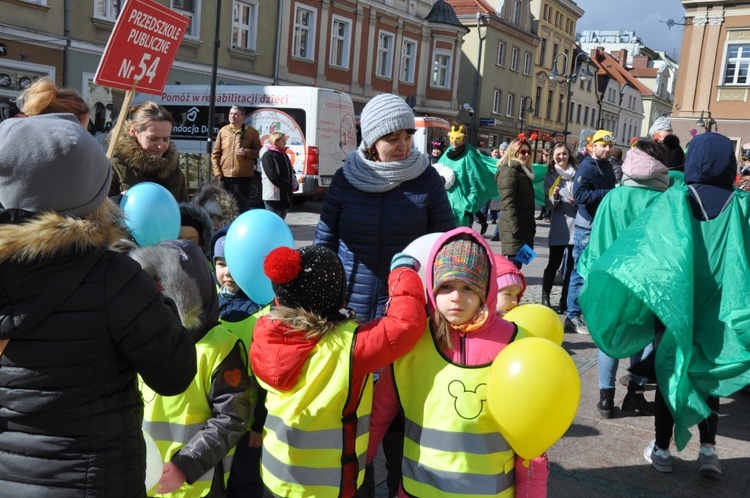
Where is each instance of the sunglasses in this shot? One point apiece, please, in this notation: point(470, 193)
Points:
point(524, 152)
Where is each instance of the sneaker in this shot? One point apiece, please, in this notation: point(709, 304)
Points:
point(660, 459)
point(495, 238)
point(708, 460)
point(576, 325)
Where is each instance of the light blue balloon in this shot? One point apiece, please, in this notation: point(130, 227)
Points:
point(249, 239)
point(151, 213)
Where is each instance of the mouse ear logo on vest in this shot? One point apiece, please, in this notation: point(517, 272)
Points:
point(468, 403)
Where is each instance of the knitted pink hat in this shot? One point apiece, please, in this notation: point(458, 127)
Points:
point(508, 274)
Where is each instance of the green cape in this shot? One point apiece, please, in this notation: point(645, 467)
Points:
point(694, 277)
point(617, 210)
point(475, 182)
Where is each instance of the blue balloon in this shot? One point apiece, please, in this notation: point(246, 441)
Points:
point(151, 213)
point(250, 238)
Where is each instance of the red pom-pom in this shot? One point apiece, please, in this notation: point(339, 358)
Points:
point(521, 136)
point(282, 265)
point(533, 137)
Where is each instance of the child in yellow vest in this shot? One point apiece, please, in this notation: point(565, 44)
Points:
point(196, 431)
point(239, 313)
point(315, 362)
point(452, 445)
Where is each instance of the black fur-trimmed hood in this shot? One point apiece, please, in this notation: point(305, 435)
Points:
point(50, 235)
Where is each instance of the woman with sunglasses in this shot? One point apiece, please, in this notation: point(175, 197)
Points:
point(514, 179)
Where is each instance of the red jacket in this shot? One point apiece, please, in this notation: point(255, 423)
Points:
point(278, 355)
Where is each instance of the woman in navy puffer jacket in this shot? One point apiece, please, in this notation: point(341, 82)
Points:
point(385, 196)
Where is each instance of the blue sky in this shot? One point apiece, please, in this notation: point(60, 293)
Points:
point(642, 16)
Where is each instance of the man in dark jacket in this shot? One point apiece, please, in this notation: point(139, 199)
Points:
point(594, 178)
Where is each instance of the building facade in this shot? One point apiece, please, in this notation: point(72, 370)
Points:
point(497, 69)
point(363, 47)
point(555, 25)
point(714, 96)
point(655, 69)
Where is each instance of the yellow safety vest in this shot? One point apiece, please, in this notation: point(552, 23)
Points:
point(244, 330)
point(172, 421)
point(303, 436)
point(452, 445)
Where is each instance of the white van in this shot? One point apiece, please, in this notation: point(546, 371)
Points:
point(318, 122)
point(430, 129)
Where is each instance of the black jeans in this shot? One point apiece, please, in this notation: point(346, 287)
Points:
point(240, 185)
point(556, 255)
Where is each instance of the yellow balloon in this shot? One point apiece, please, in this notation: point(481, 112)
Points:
point(533, 394)
point(536, 320)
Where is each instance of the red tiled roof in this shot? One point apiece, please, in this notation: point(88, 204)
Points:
point(644, 72)
point(611, 67)
point(470, 7)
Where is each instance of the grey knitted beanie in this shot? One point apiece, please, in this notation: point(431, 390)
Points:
point(382, 115)
point(51, 163)
point(661, 124)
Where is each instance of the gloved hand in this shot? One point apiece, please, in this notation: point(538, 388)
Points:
point(403, 259)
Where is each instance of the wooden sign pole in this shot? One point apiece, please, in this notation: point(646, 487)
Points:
point(122, 117)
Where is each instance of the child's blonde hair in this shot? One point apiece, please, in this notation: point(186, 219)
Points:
point(43, 97)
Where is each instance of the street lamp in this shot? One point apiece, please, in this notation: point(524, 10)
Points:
point(530, 109)
point(706, 123)
point(570, 78)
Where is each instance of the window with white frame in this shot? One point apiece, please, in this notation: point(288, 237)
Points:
point(514, 55)
point(736, 64)
point(442, 65)
point(190, 9)
point(497, 101)
point(511, 105)
point(384, 67)
point(244, 24)
point(341, 35)
point(527, 63)
point(408, 60)
point(517, 12)
point(303, 42)
point(107, 9)
point(501, 54)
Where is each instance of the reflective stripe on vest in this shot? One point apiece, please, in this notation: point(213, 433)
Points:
point(452, 445)
point(172, 421)
point(303, 434)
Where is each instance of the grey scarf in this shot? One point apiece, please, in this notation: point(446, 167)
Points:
point(377, 177)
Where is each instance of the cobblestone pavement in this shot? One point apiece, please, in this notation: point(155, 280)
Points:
point(598, 457)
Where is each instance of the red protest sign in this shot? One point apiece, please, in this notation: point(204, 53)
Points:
point(142, 47)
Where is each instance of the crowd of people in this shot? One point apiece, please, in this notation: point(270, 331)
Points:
point(363, 344)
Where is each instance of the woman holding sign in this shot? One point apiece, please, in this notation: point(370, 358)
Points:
point(145, 153)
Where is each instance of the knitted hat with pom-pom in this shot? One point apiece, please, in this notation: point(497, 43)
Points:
point(311, 278)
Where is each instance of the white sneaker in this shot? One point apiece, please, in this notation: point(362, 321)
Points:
point(660, 459)
point(708, 460)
